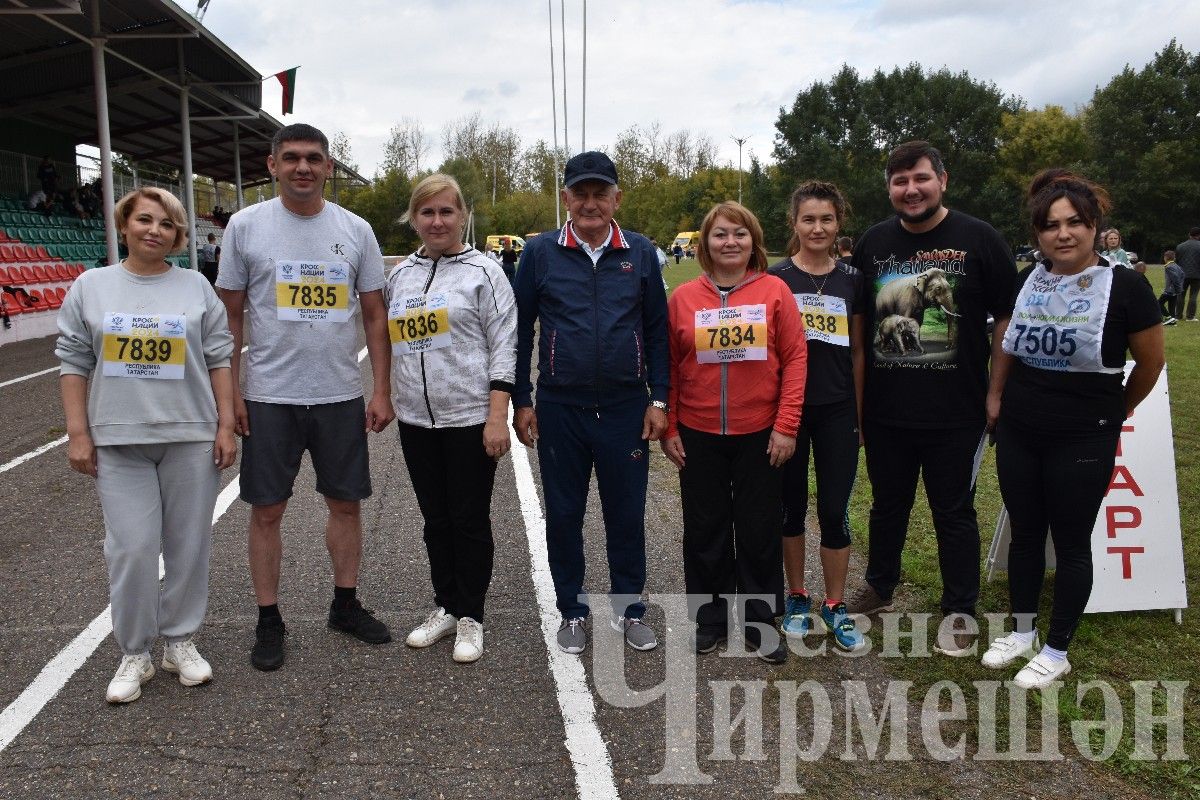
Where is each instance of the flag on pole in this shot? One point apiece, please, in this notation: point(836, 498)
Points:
point(287, 79)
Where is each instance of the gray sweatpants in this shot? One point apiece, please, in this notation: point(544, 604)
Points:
point(156, 498)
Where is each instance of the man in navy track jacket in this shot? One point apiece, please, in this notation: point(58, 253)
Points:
point(603, 376)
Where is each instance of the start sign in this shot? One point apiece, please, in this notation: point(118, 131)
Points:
point(1137, 542)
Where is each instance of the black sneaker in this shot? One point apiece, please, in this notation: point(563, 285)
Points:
point(359, 622)
point(707, 641)
point(777, 656)
point(267, 653)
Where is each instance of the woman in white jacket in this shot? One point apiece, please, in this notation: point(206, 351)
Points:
point(452, 322)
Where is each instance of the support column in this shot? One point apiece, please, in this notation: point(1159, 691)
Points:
point(189, 194)
point(237, 166)
point(103, 136)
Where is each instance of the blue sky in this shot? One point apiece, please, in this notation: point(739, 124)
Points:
point(717, 67)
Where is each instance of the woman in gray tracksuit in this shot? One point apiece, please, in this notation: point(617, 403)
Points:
point(148, 396)
point(452, 323)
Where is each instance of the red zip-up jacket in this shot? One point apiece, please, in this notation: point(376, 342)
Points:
point(738, 396)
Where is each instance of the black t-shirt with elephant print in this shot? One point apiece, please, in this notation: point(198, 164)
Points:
point(930, 295)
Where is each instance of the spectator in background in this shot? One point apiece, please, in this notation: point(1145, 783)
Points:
point(662, 261)
point(88, 199)
point(677, 251)
point(1187, 253)
point(48, 176)
point(39, 201)
point(1172, 295)
point(508, 261)
point(1113, 252)
point(210, 257)
point(845, 248)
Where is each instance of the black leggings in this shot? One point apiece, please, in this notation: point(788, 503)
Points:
point(831, 431)
point(1056, 483)
point(452, 477)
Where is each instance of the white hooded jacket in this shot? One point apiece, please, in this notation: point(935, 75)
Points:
point(448, 386)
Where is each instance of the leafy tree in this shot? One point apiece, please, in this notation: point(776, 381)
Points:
point(381, 204)
point(842, 131)
point(1144, 127)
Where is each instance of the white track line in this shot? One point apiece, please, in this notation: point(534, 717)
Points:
point(47, 371)
point(54, 676)
point(19, 460)
point(27, 377)
point(589, 753)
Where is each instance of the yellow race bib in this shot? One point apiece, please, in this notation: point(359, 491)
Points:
point(826, 318)
point(144, 346)
point(737, 333)
point(312, 291)
point(419, 324)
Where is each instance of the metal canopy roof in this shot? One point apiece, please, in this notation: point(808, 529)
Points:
point(152, 49)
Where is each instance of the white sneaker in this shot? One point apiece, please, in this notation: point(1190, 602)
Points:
point(468, 646)
point(182, 659)
point(1040, 672)
point(126, 685)
point(435, 627)
point(1008, 649)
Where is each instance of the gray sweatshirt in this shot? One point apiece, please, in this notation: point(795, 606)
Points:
point(146, 344)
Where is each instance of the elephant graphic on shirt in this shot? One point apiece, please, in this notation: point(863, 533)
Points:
point(910, 296)
point(900, 335)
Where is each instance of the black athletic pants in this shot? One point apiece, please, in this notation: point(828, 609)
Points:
point(453, 478)
point(831, 432)
point(1191, 287)
point(944, 458)
point(1056, 483)
point(732, 518)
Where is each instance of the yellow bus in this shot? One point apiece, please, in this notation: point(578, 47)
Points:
point(688, 240)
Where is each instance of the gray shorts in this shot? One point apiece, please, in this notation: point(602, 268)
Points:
point(335, 436)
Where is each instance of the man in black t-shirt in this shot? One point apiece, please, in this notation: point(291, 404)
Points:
point(932, 277)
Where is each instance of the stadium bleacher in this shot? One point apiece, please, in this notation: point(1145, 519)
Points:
point(40, 257)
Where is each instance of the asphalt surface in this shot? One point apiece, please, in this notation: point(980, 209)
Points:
point(347, 719)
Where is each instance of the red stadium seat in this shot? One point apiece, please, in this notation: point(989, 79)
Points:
point(62, 293)
point(64, 272)
point(53, 299)
point(39, 272)
point(6, 253)
point(39, 303)
point(79, 270)
point(41, 252)
point(4, 281)
point(28, 274)
point(10, 304)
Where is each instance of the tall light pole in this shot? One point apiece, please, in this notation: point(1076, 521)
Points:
point(740, 141)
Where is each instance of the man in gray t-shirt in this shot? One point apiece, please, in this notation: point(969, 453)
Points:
point(300, 270)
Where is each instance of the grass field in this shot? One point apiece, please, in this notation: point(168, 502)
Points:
point(1117, 648)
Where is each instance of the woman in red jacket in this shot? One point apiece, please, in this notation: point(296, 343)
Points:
point(738, 363)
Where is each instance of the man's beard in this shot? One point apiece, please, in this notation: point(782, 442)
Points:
point(917, 219)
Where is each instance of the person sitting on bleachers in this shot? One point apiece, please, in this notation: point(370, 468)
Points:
point(39, 201)
point(48, 176)
point(75, 206)
point(89, 200)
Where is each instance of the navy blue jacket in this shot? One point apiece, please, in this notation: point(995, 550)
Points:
point(603, 327)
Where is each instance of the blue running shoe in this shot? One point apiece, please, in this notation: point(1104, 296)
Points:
point(845, 635)
point(796, 620)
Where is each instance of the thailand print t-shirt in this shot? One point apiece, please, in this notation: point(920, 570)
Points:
point(929, 297)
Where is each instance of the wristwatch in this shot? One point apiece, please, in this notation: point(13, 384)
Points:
point(660, 405)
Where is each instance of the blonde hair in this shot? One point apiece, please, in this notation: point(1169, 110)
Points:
point(737, 213)
point(429, 187)
point(169, 203)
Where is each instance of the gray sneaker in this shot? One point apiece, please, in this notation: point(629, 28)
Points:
point(638, 634)
point(572, 636)
point(867, 601)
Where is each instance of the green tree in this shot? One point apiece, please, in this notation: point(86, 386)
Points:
point(1145, 130)
point(842, 130)
point(381, 204)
